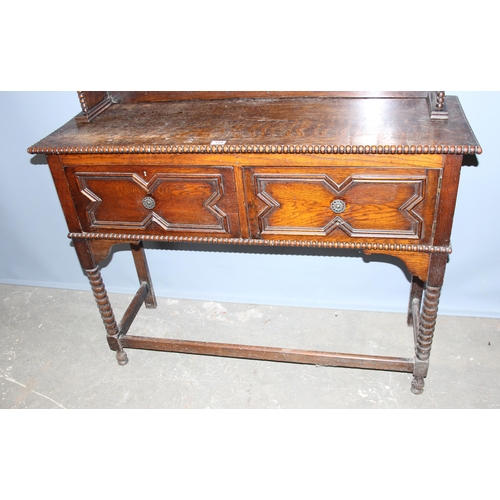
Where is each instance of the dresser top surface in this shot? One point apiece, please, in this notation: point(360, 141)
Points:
point(275, 124)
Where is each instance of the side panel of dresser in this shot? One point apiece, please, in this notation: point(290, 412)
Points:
point(427, 302)
point(90, 253)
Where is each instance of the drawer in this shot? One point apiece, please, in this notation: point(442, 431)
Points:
point(196, 201)
point(342, 203)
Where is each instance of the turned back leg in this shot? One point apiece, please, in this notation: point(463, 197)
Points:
point(142, 268)
point(416, 293)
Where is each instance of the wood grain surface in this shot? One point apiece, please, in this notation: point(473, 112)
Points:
point(278, 123)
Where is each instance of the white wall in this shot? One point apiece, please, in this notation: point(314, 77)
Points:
point(34, 249)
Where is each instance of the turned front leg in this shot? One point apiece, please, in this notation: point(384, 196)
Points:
point(427, 321)
point(107, 314)
point(423, 343)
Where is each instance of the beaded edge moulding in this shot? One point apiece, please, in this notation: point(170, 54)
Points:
point(258, 149)
point(393, 247)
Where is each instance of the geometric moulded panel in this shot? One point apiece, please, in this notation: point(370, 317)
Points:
point(382, 204)
point(157, 201)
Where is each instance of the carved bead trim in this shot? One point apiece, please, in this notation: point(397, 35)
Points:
point(440, 100)
point(437, 105)
point(259, 149)
point(83, 102)
point(371, 247)
point(89, 113)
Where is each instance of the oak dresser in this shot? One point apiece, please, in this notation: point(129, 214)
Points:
point(372, 171)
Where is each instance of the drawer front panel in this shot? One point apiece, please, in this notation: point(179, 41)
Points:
point(342, 204)
point(156, 200)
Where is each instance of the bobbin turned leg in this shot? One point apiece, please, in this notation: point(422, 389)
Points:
point(424, 338)
point(89, 261)
point(427, 320)
point(107, 314)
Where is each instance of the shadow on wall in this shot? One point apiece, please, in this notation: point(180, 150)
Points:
point(39, 160)
point(470, 161)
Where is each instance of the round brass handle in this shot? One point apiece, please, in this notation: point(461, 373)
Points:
point(337, 206)
point(148, 202)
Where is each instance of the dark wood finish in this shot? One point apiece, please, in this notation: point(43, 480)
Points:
point(416, 294)
point(376, 172)
point(437, 105)
point(274, 126)
point(92, 100)
point(107, 314)
point(143, 274)
point(271, 354)
point(93, 104)
point(133, 309)
point(162, 96)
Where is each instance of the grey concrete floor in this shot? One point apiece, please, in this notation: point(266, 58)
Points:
point(54, 355)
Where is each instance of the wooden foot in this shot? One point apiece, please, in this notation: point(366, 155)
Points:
point(122, 358)
point(417, 385)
